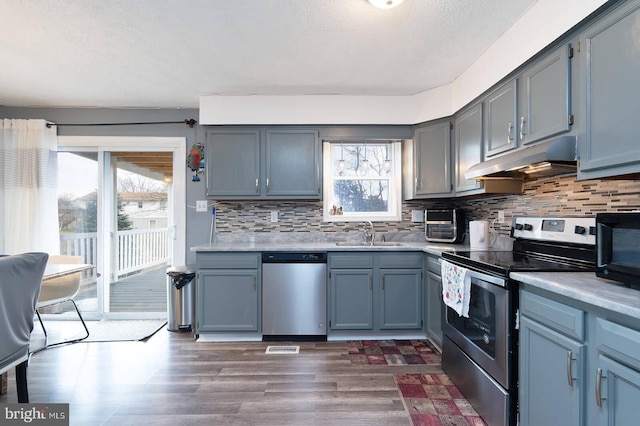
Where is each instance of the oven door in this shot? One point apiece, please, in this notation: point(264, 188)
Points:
point(485, 336)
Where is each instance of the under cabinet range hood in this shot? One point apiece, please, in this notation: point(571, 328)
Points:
point(550, 158)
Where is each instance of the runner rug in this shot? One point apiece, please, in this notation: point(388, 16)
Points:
point(392, 352)
point(122, 330)
point(432, 400)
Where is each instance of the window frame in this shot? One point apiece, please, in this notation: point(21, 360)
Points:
point(394, 206)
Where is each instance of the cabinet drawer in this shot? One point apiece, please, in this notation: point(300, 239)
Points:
point(228, 260)
point(618, 341)
point(433, 264)
point(351, 261)
point(562, 318)
point(401, 260)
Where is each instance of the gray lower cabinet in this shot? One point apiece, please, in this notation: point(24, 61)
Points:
point(577, 365)
point(616, 373)
point(351, 301)
point(434, 306)
point(258, 163)
point(611, 80)
point(432, 161)
point(400, 299)
point(370, 292)
point(552, 366)
point(227, 292)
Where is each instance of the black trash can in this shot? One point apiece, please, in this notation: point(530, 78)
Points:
point(180, 297)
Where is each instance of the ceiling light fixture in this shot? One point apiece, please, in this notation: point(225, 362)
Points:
point(385, 4)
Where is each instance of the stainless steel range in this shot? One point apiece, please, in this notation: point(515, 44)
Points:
point(479, 352)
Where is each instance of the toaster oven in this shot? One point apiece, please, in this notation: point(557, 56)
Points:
point(444, 226)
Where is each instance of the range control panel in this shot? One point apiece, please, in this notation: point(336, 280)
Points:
point(569, 229)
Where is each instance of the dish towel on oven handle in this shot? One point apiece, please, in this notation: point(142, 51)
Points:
point(456, 287)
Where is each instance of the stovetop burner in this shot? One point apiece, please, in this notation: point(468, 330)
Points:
point(543, 244)
point(503, 262)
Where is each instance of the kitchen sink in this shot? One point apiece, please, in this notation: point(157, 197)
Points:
point(363, 244)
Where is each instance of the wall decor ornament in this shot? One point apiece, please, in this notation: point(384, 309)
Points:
point(195, 161)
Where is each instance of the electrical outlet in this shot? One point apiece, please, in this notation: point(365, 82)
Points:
point(201, 206)
point(417, 216)
point(500, 216)
point(274, 216)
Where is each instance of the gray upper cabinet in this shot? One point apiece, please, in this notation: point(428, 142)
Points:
point(501, 132)
point(293, 162)
point(233, 163)
point(264, 163)
point(611, 79)
point(432, 157)
point(545, 106)
point(468, 147)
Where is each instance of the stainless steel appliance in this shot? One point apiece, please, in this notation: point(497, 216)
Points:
point(618, 247)
point(444, 226)
point(479, 353)
point(294, 296)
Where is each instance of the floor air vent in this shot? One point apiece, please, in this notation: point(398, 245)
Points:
point(280, 350)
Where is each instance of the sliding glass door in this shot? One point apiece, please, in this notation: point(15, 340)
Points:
point(121, 202)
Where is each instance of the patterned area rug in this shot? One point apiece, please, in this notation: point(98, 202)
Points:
point(392, 352)
point(432, 400)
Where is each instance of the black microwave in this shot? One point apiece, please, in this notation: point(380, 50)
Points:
point(618, 247)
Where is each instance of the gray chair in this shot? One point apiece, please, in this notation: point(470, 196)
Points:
point(60, 290)
point(20, 281)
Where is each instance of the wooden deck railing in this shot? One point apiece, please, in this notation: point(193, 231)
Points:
point(136, 250)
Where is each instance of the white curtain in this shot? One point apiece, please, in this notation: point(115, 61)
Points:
point(29, 161)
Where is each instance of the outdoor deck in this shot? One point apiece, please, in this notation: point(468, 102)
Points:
point(142, 292)
point(145, 291)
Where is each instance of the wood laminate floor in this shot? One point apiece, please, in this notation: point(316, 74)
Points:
point(171, 379)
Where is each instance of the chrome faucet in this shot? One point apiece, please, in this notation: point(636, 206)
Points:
point(369, 237)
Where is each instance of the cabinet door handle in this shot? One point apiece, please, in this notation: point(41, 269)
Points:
point(509, 129)
point(569, 375)
point(599, 377)
point(383, 282)
point(370, 283)
point(255, 284)
point(257, 187)
point(267, 184)
point(522, 132)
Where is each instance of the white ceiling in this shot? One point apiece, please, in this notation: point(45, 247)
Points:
point(166, 53)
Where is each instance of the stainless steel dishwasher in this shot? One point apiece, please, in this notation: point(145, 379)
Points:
point(294, 296)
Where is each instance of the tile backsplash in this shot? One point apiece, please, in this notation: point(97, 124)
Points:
point(551, 196)
point(561, 196)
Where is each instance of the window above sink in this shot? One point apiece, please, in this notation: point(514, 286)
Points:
point(362, 180)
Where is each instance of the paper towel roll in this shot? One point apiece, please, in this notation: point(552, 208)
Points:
point(478, 235)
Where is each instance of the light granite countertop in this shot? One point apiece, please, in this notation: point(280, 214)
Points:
point(587, 288)
point(326, 246)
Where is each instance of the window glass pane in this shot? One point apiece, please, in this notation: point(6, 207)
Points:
point(362, 180)
point(353, 160)
point(362, 195)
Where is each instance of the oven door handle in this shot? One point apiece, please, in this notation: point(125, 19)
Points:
point(488, 278)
